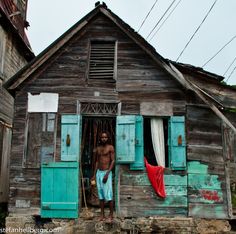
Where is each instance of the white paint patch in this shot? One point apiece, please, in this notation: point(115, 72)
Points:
point(23, 203)
point(43, 102)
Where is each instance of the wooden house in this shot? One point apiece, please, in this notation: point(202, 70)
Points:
point(15, 52)
point(102, 75)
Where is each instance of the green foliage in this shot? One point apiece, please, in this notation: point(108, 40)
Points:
point(233, 200)
point(224, 83)
point(231, 110)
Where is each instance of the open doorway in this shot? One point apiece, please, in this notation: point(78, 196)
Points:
point(92, 127)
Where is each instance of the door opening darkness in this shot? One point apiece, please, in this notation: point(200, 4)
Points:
point(91, 130)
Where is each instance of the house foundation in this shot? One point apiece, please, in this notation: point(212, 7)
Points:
point(178, 225)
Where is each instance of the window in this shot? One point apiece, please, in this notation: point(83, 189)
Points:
point(148, 144)
point(41, 134)
point(170, 138)
point(160, 140)
point(102, 64)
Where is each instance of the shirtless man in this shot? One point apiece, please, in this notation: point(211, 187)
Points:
point(105, 160)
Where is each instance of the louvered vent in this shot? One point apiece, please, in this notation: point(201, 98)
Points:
point(102, 58)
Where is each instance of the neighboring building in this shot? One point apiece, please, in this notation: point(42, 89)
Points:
point(15, 52)
point(101, 75)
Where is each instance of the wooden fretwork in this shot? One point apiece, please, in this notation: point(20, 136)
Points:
point(88, 108)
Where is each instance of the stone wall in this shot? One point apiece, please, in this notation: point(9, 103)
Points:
point(160, 225)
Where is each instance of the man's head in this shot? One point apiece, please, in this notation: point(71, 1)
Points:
point(104, 137)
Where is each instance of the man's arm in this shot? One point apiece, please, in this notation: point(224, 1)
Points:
point(112, 154)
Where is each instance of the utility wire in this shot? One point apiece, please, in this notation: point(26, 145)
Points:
point(165, 20)
point(161, 18)
point(231, 73)
point(196, 30)
point(229, 66)
point(147, 15)
point(219, 51)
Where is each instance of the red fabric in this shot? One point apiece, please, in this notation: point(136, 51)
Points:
point(156, 177)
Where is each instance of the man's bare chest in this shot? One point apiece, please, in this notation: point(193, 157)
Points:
point(104, 151)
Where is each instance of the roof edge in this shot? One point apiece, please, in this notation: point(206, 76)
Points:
point(30, 54)
point(41, 56)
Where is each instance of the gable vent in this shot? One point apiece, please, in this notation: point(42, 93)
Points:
point(102, 60)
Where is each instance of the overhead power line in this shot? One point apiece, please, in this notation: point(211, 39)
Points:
point(219, 51)
point(231, 73)
point(196, 30)
point(161, 18)
point(229, 66)
point(165, 20)
point(147, 15)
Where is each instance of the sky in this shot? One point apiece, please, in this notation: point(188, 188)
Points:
point(50, 19)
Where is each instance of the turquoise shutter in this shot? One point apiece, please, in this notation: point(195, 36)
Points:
point(139, 150)
point(70, 137)
point(177, 143)
point(59, 190)
point(125, 138)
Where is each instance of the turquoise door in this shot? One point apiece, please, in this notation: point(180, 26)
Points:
point(60, 190)
point(60, 182)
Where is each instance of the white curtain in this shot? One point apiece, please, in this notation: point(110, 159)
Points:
point(158, 142)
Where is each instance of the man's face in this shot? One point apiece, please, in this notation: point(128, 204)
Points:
point(104, 138)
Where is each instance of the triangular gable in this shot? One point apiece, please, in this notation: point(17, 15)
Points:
point(44, 56)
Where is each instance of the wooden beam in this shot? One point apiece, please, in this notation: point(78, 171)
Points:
point(179, 76)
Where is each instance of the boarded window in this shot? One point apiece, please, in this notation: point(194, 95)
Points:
point(102, 60)
point(40, 145)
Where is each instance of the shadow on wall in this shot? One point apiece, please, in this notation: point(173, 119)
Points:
point(3, 214)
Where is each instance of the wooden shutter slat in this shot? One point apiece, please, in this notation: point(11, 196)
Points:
point(70, 137)
point(139, 145)
point(102, 55)
point(125, 139)
point(177, 143)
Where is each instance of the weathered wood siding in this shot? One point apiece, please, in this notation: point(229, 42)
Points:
point(138, 80)
point(229, 150)
point(12, 59)
point(222, 93)
point(11, 54)
point(6, 106)
point(206, 173)
point(5, 142)
point(138, 198)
